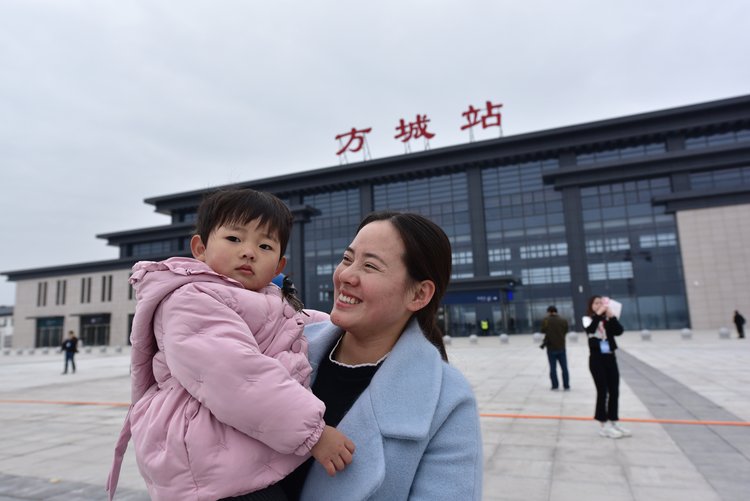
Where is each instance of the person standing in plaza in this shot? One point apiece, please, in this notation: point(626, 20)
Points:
point(484, 325)
point(602, 326)
point(381, 368)
point(554, 328)
point(70, 347)
point(221, 405)
point(739, 322)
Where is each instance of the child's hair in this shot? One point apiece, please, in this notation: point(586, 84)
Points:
point(240, 206)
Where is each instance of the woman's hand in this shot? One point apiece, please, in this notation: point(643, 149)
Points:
point(333, 451)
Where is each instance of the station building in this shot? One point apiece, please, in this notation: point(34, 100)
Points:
point(650, 209)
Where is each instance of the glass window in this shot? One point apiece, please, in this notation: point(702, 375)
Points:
point(158, 248)
point(326, 236)
point(717, 139)
point(496, 255)
point(724, 178)
point(531, 211)
point(41, 294)
point(95, 329)
point(615, 268)
point(49, 332)
point(60, 291)
point(547, 275)
point(658, 240)
point(544, 250)
point(442, 199)
point(610, 271)
point(623, 152)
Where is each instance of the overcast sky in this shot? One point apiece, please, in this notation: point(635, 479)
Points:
point(104, 103)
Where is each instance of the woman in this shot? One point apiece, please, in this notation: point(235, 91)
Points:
point(380, 367)
point(602, 326)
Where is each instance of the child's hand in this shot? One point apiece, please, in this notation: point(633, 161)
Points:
point(333, 451)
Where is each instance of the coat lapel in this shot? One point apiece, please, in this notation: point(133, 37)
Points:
point(405, 390)
point(399, 403)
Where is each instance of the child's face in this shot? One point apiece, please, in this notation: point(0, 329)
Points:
point(247, 253)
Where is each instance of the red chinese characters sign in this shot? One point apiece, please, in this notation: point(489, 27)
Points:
point(355, 141)
point(488, 116)
point(413, 130)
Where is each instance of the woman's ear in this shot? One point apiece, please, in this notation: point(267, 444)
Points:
point(421, 295)
point(198, 248)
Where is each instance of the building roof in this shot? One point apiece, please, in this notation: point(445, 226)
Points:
point(705, 117)
point(520, 147)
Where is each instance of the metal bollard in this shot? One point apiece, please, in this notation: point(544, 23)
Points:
point(724, 333)
point(118, 349)
point(572, 337)
point(446, 339)
point(473, 339)
point(686, 333)
point(538, 336)
point(504, 338)
point(103, 349)
point(646, 335)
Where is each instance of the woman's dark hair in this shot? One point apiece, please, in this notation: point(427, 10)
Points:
point(427, 256)
point(589, 308)
point(240, 206)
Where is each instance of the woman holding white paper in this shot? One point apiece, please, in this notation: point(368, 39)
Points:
point(602, 326)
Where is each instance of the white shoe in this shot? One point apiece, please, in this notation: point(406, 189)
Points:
point(610, 431)
point(625, 432)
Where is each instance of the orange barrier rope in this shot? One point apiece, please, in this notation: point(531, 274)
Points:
point(483, 414)
point(629, 420)
point(65, 402)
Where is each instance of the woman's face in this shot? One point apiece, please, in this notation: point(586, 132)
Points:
point(597, 304)
point(371, 285)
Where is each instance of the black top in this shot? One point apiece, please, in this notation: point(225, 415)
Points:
point(70, 345)
point(338, 386)
point(612, 328)
point(739, 319)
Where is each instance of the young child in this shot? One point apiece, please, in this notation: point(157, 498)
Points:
point(220, 379)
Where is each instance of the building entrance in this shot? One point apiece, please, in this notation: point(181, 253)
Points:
point(95, 329)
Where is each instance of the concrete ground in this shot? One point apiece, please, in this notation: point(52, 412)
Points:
point(686, 401)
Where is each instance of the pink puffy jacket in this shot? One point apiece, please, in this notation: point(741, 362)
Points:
point(220, 378)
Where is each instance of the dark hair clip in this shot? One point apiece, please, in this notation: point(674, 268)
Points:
point(290, 294)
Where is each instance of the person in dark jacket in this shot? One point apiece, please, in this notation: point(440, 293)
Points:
point(554, 328)
point(601, 327)
point(739, 322)
point(70, 347)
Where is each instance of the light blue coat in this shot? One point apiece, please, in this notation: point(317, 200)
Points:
point(415, 428)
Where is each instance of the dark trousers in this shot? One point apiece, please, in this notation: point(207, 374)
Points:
point(555, 357)
point(741, 330)
point(70, 358)
point(270, 493)
point(607, 380)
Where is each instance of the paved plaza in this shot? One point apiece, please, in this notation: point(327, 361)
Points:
point(687, 402)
